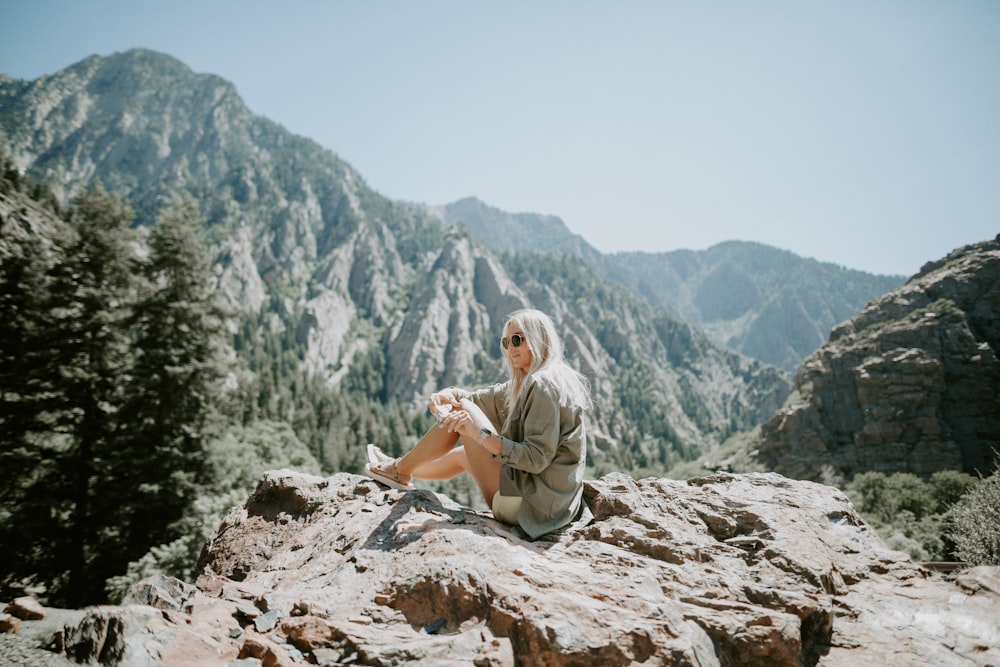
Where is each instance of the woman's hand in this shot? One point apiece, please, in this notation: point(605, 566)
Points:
point(469, 421)
point(443, 402)
point(461, 422)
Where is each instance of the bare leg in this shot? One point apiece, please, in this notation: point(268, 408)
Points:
point(436, 443)
point(482, 466)
point(485, 470)
point(452, 464)
point(436, 457)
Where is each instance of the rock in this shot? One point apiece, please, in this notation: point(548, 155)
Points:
point(160, 592)
point(753, 569)
point(9, 624)
point(267, 621)
point(462, 302)
point(910, 384)
point(268, 652)
point(26, 609)
point(100, 636)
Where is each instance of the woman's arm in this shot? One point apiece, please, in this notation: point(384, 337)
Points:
point(540, 431)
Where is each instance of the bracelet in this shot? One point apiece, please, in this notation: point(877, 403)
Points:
point(483, 432)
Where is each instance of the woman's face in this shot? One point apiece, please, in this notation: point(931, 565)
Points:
point(520, 355)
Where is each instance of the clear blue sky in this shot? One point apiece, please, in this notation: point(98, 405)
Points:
point(861, 132)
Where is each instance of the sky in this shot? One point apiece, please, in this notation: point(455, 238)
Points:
point(860, 132)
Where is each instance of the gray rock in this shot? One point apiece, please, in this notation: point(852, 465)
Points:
point(26, 609)
point(750, 569)
point(911, 384)
point(161, 592)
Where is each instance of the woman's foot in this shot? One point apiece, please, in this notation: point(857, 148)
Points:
point(376, 456)
point(387, 472)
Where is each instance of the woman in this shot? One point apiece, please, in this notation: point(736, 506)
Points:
point(523, 441)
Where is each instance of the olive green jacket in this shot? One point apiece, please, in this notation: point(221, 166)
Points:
point(544, 452)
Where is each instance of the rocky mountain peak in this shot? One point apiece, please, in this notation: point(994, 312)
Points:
point(910, 384)
point(725, 570)
point(448, 335)
point(363, 286)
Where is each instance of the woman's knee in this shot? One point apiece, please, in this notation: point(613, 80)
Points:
point(479, 417)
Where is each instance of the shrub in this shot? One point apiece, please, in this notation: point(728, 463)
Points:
point(975, 523)
point(909, 513)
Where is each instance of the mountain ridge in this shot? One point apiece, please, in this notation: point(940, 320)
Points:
point(783, 324)
point(764, 302)
point(363, 284)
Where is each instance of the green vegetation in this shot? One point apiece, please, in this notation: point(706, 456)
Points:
point(129, 427)
point(975, 523)
point(911, 514)
point(110, 380)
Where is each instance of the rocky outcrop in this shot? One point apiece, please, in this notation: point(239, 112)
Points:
point(749, 569)
point(910, 384)
point(449, 334)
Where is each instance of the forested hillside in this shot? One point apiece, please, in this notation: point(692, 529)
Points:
point(370, 293)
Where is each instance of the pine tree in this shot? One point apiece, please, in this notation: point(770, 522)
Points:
point(28, 389)
point(89, 301)
point(178, 380)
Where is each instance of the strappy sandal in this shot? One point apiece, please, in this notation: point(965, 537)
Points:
point(376, 456)
point(395, 480)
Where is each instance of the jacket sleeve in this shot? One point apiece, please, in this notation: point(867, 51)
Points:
point(492, 401)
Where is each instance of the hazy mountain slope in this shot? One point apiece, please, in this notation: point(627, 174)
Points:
point(767, 303)
point(358, 278)
point(515, 232)
point(763, 302)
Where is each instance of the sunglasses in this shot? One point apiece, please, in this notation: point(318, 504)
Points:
point(514, 340)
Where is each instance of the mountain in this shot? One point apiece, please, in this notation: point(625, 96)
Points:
point(366, 291)
point(515, 232)
point(765, 303)
point(910, 384)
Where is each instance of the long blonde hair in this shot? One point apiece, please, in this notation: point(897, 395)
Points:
point(547, 359)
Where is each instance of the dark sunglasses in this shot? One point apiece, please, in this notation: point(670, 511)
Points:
point(514, 340)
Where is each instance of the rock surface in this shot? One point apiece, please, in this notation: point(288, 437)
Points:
point(911, 384)
point(750, 569)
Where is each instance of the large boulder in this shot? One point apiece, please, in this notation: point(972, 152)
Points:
point(750, 569)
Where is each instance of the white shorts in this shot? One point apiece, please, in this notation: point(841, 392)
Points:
point(505, 508)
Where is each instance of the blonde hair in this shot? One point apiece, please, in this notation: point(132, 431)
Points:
point(547, 360)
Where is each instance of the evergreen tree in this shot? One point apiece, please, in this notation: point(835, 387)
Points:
point(178, 381)
point(29, 448)
point(89, 300)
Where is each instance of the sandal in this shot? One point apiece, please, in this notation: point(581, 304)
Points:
point(380, 472)
point(376, 456)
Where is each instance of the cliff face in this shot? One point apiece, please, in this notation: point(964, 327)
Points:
point(911, 384)
point(726, 570)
